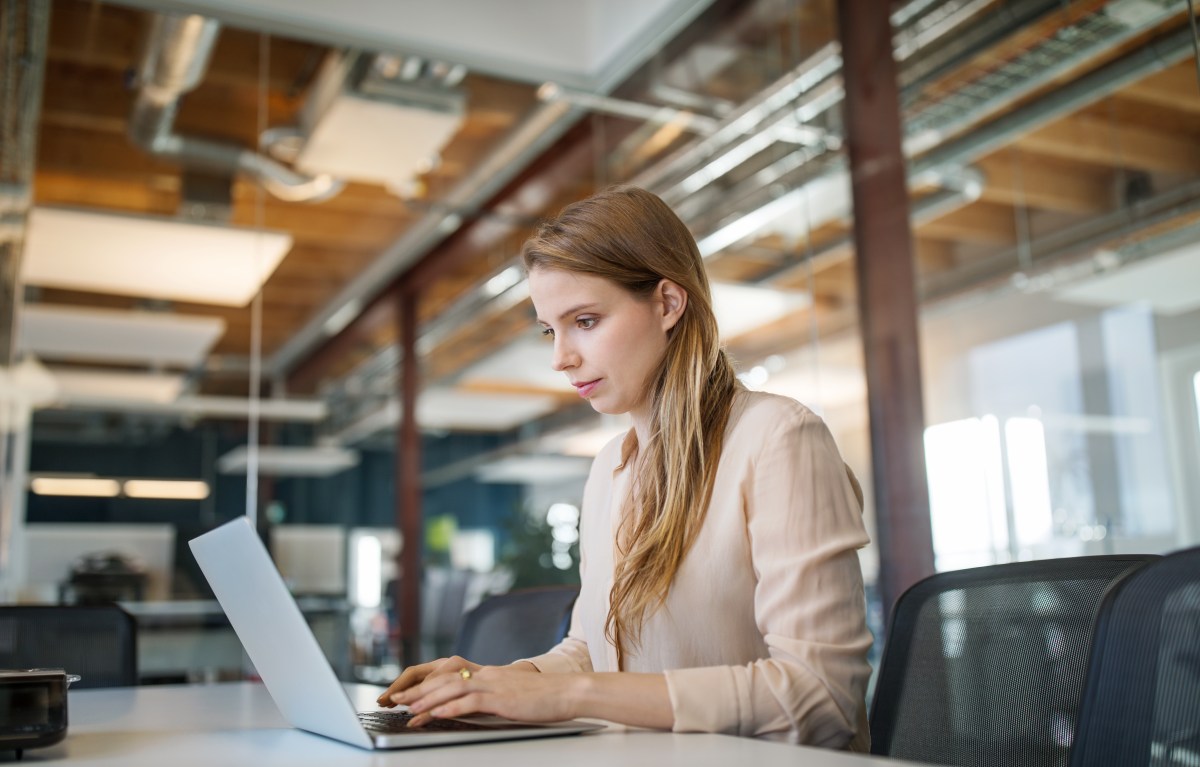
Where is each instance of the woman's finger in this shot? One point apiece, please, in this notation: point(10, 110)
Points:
point(470, 703)
point(431, 692)
point(411, 676)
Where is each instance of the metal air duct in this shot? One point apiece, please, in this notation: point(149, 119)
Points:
point(175, 60)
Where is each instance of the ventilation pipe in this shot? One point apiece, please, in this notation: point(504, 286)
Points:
point(176, 57)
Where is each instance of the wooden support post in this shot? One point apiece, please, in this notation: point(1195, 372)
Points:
point(408, 484)
point(887, 296)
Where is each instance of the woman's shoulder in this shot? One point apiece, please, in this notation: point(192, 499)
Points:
point(758, 412)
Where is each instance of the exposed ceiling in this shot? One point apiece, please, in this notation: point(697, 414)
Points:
point(1040, 134)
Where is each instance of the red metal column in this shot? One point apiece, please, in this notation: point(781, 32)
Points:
point(408, 483)
point(887, 296)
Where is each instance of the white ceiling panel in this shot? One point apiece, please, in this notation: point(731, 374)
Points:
point(98, 386)
point(151, 257)
point(581, 42)
point(55, 332)
point(447, 409)
point(284, 461)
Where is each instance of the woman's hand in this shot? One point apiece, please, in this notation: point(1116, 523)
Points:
point(500, 690)
point(414, 675)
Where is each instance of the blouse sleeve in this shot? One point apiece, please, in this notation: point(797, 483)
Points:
point(804, 525)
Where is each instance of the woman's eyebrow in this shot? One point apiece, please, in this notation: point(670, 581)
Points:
point(568, 312)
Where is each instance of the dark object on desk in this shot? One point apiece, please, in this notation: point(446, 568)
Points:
point(98, 642)
point(516, 625)
point(1141, 700)
point(104, 577)
point(33, 708)
point(985, 666)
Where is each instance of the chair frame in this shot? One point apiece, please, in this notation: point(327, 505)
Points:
point(1114, 637)
point(897, 649)
point(129, 651)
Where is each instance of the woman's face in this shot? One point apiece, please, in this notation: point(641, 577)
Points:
point(607, 341)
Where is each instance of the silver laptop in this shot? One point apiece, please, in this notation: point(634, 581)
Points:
point(294, 669)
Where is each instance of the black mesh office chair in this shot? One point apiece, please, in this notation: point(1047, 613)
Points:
point(985, 666)
point(516, 625)
point(98, 642)
point(1141, 701)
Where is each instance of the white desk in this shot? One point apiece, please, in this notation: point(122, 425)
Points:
point(238, 724)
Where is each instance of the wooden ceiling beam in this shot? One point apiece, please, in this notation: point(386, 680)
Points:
point(1174, 88)
point(1109, 144)
point(980, 222)
point(1012, 178)
point(934, 255)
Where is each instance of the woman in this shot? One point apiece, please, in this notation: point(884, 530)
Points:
point(718, 536)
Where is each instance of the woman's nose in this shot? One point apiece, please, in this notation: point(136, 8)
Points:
point(564, 356)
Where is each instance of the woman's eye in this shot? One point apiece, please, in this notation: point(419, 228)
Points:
point(586, 323)
point(548, 332)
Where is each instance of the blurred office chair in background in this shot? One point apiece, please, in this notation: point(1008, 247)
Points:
point(985, 666)
point(98, 642)
point(1141, 700)
point(519, 624)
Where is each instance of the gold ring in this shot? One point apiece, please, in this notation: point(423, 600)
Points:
point(465, 673)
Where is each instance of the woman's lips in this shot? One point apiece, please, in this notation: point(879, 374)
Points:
point(585, 389)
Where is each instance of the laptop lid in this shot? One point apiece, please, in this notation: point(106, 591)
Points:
point(292, 665)
point(274, 633)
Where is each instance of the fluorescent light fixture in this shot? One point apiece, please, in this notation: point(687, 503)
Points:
point(92, 487)
point(78, 385)
point(107, 335)
point(152, 257)
point(375, 141)
point(282, 461)
point(167, 489)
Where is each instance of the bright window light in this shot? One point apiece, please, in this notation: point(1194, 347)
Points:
point(966, 496)
point(167, 489)
point(76, 486)
point(368, 580)
point(1026, 443)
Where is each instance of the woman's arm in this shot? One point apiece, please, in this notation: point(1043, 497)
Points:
point(641, 700)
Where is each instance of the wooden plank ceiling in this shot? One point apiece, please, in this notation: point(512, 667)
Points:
point(1069, 170)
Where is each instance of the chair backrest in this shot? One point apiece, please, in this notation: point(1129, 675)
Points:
point(985, 666)
point(98, 642)
point(1141, 700)
point(519, 624)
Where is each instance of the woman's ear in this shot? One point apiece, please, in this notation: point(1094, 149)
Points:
point(674, 300)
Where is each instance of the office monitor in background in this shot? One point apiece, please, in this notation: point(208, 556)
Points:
point(294, 669)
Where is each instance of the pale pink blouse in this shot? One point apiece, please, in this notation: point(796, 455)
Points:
point(763, 631)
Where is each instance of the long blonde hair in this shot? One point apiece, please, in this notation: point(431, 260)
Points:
point(630, 237)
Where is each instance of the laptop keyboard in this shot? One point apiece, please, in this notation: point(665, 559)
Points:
point(393, 722)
